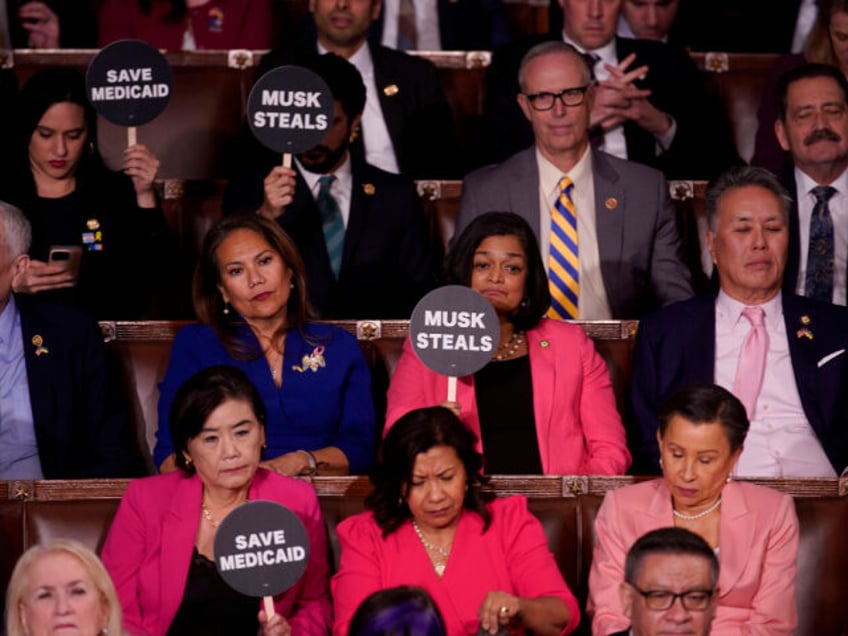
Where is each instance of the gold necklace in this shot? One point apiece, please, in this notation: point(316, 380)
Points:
point(511, 346)
point(208, 515)
point(438, 566)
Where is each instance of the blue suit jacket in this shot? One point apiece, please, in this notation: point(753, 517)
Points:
point(638, 242)
point(676, 347)
point(81, 418)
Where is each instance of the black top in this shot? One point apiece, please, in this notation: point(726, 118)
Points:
point(504, 393)
point(210, 606)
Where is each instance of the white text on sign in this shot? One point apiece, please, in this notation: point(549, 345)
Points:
point(258, 558)
point(131, 91)
point(290, 99)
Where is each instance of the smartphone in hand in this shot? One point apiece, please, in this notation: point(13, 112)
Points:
point(69, 256)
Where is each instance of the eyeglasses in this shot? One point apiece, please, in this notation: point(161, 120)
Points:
point(568, 97)
point(692, 600)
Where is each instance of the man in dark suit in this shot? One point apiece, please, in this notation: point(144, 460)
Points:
point(629, 248)
point(652, 105)
point(60, 415)
point(813, 126)
point(783, 355)
point(386, 258)
point(406, 124)
point(670, 584)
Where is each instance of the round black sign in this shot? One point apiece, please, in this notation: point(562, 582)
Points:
point(261, 548)
point(454, 330)
point(290, 109)
point(129, 82)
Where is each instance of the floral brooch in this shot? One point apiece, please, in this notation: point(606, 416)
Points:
point(311, 361)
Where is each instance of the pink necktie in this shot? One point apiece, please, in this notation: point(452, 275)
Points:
point(752, 360)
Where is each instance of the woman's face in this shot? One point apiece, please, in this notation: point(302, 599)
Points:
point(57, 143)
point(838, 30)
point(61, 598)
point(254, 278)
point(227, 451)
point(499, 272)
point(696, 462)
point(437, 488)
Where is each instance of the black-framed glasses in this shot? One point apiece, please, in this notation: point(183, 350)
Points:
point(568, 96)
point(693, 600)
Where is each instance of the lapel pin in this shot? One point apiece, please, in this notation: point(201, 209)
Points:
point(611, 203)
point(544, 344)
point(38, 343)
point(92, 224)
point(805, 319)
point(803, 332)
point(368, 188)
point(391, 90)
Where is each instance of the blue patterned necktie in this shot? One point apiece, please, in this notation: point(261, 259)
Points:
point(563, 262)
point(332, 223)
point(818, 282)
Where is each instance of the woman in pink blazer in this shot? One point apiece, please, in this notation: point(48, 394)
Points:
point(159, 550)
point(753, 529)
point(544, 404)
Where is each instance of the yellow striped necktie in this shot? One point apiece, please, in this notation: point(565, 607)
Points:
point(563, 264)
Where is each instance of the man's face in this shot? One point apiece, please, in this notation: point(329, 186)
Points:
point(675, 574)
point(816, 127)
point(590, 23)
point(748, 244)
point(343, 23)
point(562, 130)
point(327, 156)
point(650, 19)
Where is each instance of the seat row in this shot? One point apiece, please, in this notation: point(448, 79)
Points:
point(33, 512)
point(196, 136)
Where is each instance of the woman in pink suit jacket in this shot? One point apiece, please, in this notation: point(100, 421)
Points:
point(163, 522)
point(753, 529)
point(577, 427)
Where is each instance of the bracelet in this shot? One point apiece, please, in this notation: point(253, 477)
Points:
point(313, 463)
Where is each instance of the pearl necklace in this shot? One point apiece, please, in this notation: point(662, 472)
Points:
point(445, 554)
point(685, 517)
point(511, 346)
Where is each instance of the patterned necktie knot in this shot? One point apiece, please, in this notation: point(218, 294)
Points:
point(592, 60)
point(818, 280)
point(823, 194)
point(754, 315)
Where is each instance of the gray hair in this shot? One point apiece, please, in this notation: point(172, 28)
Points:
point(16, 230)
point(547, 48)
point(741, 177)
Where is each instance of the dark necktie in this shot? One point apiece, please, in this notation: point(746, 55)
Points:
point(818, 282)
point(591, 61)
point(331, 222)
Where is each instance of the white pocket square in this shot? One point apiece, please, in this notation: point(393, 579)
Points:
point(829, 357)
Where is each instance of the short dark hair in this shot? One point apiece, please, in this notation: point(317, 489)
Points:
point(398, 611)
point(806, 71)
point(673, 541)
point(343, 80)
point(741, 177)
point(707, 404)
point(200, 395)
point(417, 432)
point(459, 262)
point(208, 303)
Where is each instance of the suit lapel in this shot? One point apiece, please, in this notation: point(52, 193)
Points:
point(178, 532)
point(657, 513)
point(40, 368)
point(360, 210)
point(609, 225)
point(523, 187)
point(543, 373)
point(803, 354)
point(735, 536)
point(391, 102)
point(699, 348)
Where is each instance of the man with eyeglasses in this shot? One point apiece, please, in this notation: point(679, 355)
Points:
point(812, 126)
point(671, 584)
point(623, 257)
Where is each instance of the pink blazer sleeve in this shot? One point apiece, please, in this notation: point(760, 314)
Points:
point(360, 570)
point(124, 552)
point(607, 572)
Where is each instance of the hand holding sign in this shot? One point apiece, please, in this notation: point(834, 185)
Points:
point(289, 110)
point(129, 84)
point(454, 331)
point(261, 549)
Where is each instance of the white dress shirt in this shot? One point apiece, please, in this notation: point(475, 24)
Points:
point(838, 206)
point(780, 442)
point(341, 188)
point(592, 301)
point(379, 150)
point(426, 24)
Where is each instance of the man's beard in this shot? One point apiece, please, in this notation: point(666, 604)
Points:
point(322, 159)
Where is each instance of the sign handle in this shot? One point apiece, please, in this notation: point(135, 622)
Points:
point(132, 136)
point(268, 605)
point(451, 388)
point(287, 160)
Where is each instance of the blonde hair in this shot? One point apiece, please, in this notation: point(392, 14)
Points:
point(90, 563)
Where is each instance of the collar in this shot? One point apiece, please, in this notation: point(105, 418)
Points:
point(730, 310)
point(607, 52)
point(8, 320)
point(805, 183)
point(361, 59)
point(343, 175)
point(550, 175)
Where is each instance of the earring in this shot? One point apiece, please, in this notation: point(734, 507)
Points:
point(226, 309)
point(291, 285)
point(661, 463)
point(523, 302)
point(188, 461)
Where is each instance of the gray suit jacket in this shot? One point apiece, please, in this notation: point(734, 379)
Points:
point(638, 242)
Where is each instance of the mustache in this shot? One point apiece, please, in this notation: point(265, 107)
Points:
point(821, 134)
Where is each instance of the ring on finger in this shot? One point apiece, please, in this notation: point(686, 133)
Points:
point(504, 610)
